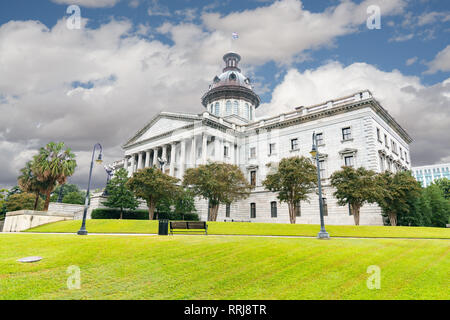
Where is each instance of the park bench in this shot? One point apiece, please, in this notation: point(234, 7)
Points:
point(188, 226)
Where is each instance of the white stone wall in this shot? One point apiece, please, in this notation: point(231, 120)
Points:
point(21, 220)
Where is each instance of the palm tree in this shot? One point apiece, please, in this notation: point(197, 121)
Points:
point(54, 164)
point(28, 182)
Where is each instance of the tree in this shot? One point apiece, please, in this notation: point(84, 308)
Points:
point(28, 182)
point(66, 189)
point(218, 183)
point(294, 179)
point(54, 164)
point(3, 195)
point(354, 187)
point(398, 191)
point(444, 185)
point(23, 201)
point(77, 197)
point(153, 186)
point(119, 195)
point(440, 207)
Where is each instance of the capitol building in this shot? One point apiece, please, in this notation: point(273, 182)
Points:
point(354, 130)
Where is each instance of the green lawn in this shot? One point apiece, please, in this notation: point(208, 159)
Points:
point(245, 228)
point(211, 267)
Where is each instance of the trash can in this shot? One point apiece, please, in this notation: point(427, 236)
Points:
point(163, 229)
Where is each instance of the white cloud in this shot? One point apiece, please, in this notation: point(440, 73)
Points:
point(89, 3)
point(441, 62)
point(156, 9)
point(432, 17)
point(402, 38)
point(421, 110)
point(411, 61)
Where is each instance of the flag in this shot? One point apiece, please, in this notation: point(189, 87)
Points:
point(234, 35)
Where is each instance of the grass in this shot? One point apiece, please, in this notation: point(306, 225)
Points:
point(212, 267)
point(246, 228)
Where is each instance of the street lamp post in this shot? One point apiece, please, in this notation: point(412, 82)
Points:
point(83, 231)
point(314, 152)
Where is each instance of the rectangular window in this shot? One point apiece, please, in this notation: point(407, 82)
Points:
point(401, 153)
point(297, 209)
point(273, 209)
point(294, 144)
point(227, 210)
point(225, 151)
point(348, 161)
point(252, 210)
point(319, 138)
point(252, 153)
point(253, 178)
point(381, 164)
point(378, 134)
point(346, 134)
point(386, 141)
point(325, 206)
point(272, 148)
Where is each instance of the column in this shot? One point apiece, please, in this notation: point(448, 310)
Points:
point(125, 163)
point(155, 157)
point(182, 158)
point(147, 159)
point(164, 155)
point(172, 159)
point(193, 152)
point(140, 164)
point(133, 162)
point(218, 151)
point(232, 153)
point(204, 148)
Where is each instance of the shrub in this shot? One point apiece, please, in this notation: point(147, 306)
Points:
point(140, 215)
point(23, 201)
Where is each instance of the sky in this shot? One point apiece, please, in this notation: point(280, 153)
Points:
point(102, 77)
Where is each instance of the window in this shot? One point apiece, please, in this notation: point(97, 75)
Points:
point(273, 209)
point(217, 109)
point(294, 144)
point(232, 77)
point(297, 209)
point(346, 134)
point(319, 138)
point(322, 168)
point(253, 153)
point(381, 163)
point(236, 107)
point(378, 134)
point(325, 206)
point(225, 151)
point(251, 113)
point(401, 153)
point(247, 111)
point(406, 157)
point(348, 161)
point(228, 107)
point(252, 210)
point(227, 210)
point(394, 146)
point(386, 141)
point(253, 178)
point(271, 148)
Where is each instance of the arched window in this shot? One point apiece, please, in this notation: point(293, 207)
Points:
point(211, 108)
point(217, 109)
point(247, 111)
point(232, 77)
point(251, 113)
point(228, 107)
point(236, 107)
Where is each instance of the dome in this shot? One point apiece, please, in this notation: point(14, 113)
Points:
point(231, 83)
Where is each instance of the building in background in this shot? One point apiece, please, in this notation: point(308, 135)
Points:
point(354, 130)
point(428, 174)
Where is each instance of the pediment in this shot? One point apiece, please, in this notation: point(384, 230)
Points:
point(162, 123)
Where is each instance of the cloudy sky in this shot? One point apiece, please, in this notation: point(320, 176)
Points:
point(130, 59)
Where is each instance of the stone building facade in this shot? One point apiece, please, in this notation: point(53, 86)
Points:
point(354, 130)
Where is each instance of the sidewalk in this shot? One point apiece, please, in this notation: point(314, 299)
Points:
point(217, 235)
